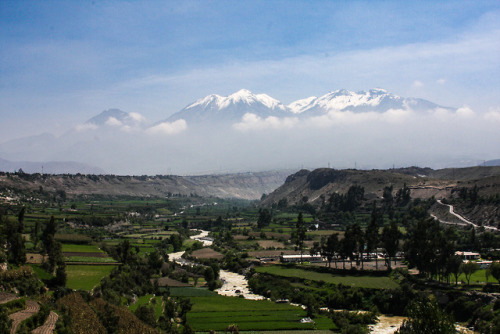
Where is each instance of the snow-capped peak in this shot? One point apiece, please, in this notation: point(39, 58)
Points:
point(233, 107)
point(300, 105)
point(342, 99)
point(204, 102)
point(244, 96)
point(115, 118)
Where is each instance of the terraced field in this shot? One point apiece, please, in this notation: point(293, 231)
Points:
point(49, 325)
point(217, 312)
point(32, 308)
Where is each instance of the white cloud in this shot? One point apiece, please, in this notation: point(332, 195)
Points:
point(418, 84)
point(441, 81)
point(137, 117)
point(112, 121)
point(85, 127)
point(251, 121)
point(493, 115)
point(465, 112)
point(167, 128)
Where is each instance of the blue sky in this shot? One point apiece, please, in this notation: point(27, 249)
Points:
point(62, 62)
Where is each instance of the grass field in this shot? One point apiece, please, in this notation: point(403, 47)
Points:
point(42, 274)
point(156, 302)
point(89, 259)
point(372, 282)
point(478, 277)
point(81, 248)
point(217, 312)
point(85, 277)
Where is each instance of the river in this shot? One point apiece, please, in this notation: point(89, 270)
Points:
point(237, 285)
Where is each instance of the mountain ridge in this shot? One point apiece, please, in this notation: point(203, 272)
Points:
point(235, 106)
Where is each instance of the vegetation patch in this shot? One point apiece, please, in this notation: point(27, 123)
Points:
point(191, 292)
point(86, 277)
point(90, 259)
point(371, 282)
point(80, 248)
point(218, 312)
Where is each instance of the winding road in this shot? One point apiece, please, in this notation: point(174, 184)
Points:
point(452, 211)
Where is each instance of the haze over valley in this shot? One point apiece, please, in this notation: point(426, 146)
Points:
point(255, 132)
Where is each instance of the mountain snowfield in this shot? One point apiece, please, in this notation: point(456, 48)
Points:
point(235, 106)
point(255, 132)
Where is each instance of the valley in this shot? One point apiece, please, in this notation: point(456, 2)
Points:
point(127, 251)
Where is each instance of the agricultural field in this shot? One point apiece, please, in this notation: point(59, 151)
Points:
point(217, 312)
point(479, 277)
point(77, 248)
point(86, 277)
point(371, 282)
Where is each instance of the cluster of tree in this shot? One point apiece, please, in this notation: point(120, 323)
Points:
point(134, 274)
point(53, 249)
point(175, 308)
point(358, 245)
point(425, 316)
point(345, 202)
point(11, 238)
point(335, 296)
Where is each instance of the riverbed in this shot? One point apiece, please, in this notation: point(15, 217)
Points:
point(236, 285)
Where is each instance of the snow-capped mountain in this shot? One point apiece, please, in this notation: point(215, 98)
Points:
point(116, 118)
point(230, 108)
point(216, 108)
point(378, 100)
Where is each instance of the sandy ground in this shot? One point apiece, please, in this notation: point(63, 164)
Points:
point(235, 285)
point(200, 237)
point(386, 325)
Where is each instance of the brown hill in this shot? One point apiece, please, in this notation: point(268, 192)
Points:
point(313, 186)
point(243, 185)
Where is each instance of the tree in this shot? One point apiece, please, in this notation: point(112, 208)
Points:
point(155, 261)
point(61, 277)
point(425, 316)
point(454, 264)
point(329, 247)
point(420, 246)
point(494, 270)
point(5, 321)
point(109, 319)
point(20, 220)
point(359, 236)
point(185, 306)
point(348, 244)
point(264, 219)
point(146, 314)
point(372, 239)
point(176, 241)
point(390, 240)
point(387, 195)
point(469, 268)
point(300, 234)
point(403, 196)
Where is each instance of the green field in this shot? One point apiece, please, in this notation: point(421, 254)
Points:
point(478, 277)
point(42, 274)
point(86, 277)
point(217, 312)
point(156, 302)
point(81, 248)
point(372, 282)
point(90, 259)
